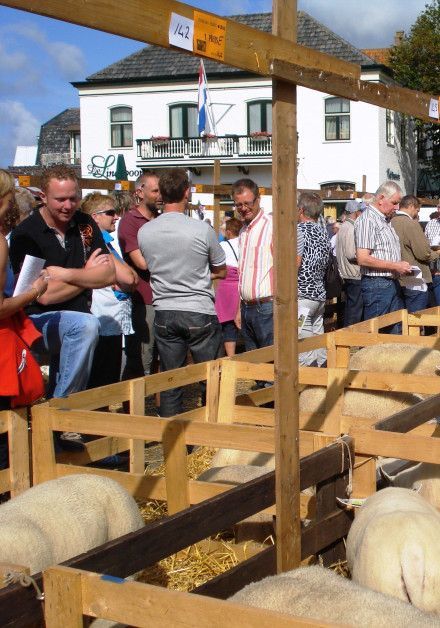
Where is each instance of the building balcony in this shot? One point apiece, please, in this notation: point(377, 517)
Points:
point(203, 151)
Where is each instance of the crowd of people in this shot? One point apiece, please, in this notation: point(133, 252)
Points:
point(127, 284)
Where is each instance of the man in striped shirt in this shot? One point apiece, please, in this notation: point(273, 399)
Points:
point(432, 232)
point(255, 267)
point(378, 254)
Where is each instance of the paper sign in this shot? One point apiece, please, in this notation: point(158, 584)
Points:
point(124, 185)
point(209, 35)
point(414, 281)
point(30, 271)
point(198, 188)
point(433, 108)
point(24, 181)
point(181, 32)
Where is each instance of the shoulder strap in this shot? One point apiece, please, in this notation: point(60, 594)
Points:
point(232, 249)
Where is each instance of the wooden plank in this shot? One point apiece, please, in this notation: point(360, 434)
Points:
point(210, 412)
point(190, 374)
point(95, 450)
point(94, 398)
point(265, 354)
point(145, 605)
point(151, 428)
point(18, 443)
point(334, 400)
point(176, 472)
point(227, 391)
point(5, 480)
point(412, 417)
point(405, 446)
point(63, 598)
point(364, 476)
point(43, 451)
point(389, 97)
point(137, 406)
point(148, 21)
point(363, 339)
point(4, 425)
point(250, 370)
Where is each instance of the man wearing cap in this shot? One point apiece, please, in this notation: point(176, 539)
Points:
point(347, 263)
point(378, 254)
point(432, 232)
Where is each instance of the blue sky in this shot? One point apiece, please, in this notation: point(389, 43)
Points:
point(40, 56)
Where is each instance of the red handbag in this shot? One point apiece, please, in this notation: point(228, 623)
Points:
point(20, 374)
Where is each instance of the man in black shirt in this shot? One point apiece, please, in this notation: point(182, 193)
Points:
point(71, 243)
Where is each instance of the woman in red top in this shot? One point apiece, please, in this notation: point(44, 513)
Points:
point(10, 306)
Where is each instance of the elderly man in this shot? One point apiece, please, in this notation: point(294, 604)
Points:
point(432, 232)
point(348, 266)
point(378, 254)
point(183, 257)
point(139, 346)
point(71, 243)
point(414, 249)
point(255, 267)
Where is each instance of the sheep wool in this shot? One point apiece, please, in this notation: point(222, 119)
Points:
point(423, 478)
point(226, 457)
point(396, 358)
point(394, 547)
point(56, 520)
point(320, 594)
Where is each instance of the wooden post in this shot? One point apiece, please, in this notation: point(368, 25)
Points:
point(43, 451)
point(63, 598)
point(18, 443)
point(216, 181)
point(286, 306)
point(176, 473)
point(137, 406)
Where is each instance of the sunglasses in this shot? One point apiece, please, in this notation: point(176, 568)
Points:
point(107, 212)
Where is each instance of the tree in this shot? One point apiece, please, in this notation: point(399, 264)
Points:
point(416, 64)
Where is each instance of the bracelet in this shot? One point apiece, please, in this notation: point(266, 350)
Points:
point(37, 296)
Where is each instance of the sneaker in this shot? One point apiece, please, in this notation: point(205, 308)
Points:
point(72, 441)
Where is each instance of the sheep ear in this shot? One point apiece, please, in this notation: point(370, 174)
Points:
point(412, 562)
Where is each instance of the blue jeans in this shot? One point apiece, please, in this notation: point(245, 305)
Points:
point(257, 325)
point(415, 299)
point(354, 305)
point(436, 288)
point(382, 295)
point(177, 332)
point(70, 339)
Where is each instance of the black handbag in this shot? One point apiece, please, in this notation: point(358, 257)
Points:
point(333, 281)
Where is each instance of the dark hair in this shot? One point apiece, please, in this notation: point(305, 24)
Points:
point(233, 225)
point(245, 184)
point(61, 172)
point(311, 204)
point(173, 185)
point(409, 200)
point(145, 174)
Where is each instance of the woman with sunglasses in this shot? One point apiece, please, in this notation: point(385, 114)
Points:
point(111, 305)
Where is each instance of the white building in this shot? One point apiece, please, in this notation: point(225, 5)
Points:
point(145, 107)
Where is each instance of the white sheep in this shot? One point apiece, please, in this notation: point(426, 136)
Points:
point(423, 477)
point(320, 594)
point(227, 457)
point(396, 358)
point(59, 519)
point(394, 547)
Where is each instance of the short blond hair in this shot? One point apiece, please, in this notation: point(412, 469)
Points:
point(7, 183)
point(94, 201)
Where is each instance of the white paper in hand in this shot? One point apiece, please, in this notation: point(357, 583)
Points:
point(30, 271)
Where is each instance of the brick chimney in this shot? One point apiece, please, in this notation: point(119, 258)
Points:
point(398, 37)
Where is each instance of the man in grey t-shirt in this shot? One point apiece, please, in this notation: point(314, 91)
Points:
point(183, 257)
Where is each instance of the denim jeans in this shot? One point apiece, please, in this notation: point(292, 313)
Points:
point(436, 288)
point(139, 347)
point(415, 299)
point(70, 339)
point(313, 326)
point(177, 332)
point(257, 325)
point(382, 295)
point(354, 305)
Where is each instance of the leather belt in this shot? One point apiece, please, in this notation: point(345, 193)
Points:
point(257, 301)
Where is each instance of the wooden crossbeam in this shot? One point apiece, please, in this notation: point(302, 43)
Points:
point(246, 48)
point(389, 97)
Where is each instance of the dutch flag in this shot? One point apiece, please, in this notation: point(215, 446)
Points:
point(202, 107)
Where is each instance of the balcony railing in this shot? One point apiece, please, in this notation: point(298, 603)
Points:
point(208, 148)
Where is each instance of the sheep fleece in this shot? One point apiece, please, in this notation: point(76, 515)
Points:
point(62, 518)
point(394, 547)
point(318, 593)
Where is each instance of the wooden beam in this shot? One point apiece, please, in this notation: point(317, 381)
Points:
point(148, 21)
point(412, 417)
point(389, 97)
point(284, 130)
